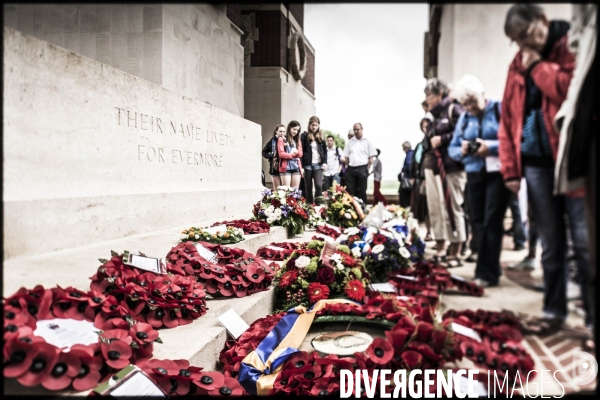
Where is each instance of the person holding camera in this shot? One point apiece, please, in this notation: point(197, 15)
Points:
point(475, 144)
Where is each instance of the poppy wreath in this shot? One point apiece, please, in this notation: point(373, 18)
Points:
point(235, 271)
point(248, 226)
point(287, 248)
point(435, 277)
point(303, 279)
point(230, 236)
point(166, 300)
point(32, 361)
point(326, 230)
point(412, 340)
point(500, 349)
point(179, 378)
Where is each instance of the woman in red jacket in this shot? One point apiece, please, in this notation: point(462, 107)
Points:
point(290, 155)
point(537, 84)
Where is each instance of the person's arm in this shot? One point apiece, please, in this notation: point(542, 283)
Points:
point(455, 146)
point(506, 150)
point(281, 150)
point(299, 153)
point(345, 155)
point(552, 78)
point(457, 111)
point(267, 150)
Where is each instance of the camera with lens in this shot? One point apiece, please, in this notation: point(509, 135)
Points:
point(473, 146)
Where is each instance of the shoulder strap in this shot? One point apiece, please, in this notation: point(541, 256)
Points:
point(450, 109)
point(465, 122)
point(497, 111)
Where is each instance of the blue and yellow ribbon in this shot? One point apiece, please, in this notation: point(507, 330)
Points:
point(260, 368)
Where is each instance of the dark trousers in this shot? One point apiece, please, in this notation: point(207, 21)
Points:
point(590, 200)
point(328, 181)
point(533, 234)
point(311, 175)
point(488, 199)
point(517, 225)
point(356, 181)
point(404, 197)
point(549, 213)
point(474, 242)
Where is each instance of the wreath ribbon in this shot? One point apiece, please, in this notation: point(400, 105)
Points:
point(260, 368)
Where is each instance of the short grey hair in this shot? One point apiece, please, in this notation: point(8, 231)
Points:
point(519, 17)
point(437, 87)
point(466, 87)
point(406, 144)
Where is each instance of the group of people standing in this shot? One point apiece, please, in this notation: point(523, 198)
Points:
point(312, 163)
point(477, 153)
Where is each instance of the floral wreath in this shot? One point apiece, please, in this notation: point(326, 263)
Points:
point(500, 349)
point(282, 206)
point(328, 231)
point(160, 300)
point(234, 272)
point(248, 226)
point(297, 56)
point(412, 340)
point(231, 235)
point(32, 361)
point(304, 279)
point(430, 276)
point(287, 248)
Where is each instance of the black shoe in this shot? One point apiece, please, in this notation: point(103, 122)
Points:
point(472, 257)
point(519, 247)
point(509, 232)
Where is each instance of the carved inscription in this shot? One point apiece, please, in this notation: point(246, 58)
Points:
point(165, 127)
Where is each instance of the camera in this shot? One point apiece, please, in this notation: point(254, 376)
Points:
point(472, 147)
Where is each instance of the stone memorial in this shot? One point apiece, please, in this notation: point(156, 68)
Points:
point(93, 153)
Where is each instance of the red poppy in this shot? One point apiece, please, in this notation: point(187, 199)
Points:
point(116, 334)
point(41, 365)
point(397, 337)
point(412, 358)
point(424, 330)
point(379, 239)
point(317, 291)
point(380, 351)
point(210, 380)
point(116, 354)
point(19, 355)
point(226, 288)
point(230, 387)
point(66, 368)
point(325, 387)
point(143, 333)
point(88, 375)
point(288, 279)
point(355, 290)
point(255, 273)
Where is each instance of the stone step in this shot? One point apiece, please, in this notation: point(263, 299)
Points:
point(77, 265)
point(199, 342)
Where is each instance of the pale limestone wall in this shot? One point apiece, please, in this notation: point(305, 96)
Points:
point(193, 50)
point(473, 42)
point(203, 55)
point(296, 102)
point(86, 159)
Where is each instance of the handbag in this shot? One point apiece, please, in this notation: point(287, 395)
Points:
point(405, 184)
point(275, 159)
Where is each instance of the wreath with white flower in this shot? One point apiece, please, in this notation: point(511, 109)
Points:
point(229, 235)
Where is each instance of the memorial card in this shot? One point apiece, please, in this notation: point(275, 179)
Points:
point(234, 324)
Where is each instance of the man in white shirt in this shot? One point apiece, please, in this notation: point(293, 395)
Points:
point(334, 166)
point(358, 156)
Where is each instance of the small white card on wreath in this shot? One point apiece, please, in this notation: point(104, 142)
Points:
point(66, 332)
point(385, 287)
point(408, 278)
point(463, 330)
point(130, 381)
point(275, 248)
point(156, 265)
point(458, 278)
point(205, 253)
point(234, 324)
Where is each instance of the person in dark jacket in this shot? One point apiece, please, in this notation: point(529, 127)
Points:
point(270, 153)
point(418, 201)
point(314, 159)
point(445, 178)
point(405, 193)
point(536, 86)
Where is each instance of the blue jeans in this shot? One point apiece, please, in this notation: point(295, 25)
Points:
point(549, 214)
point(328, 181)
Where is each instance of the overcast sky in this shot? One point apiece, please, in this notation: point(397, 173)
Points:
point(369, 69)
